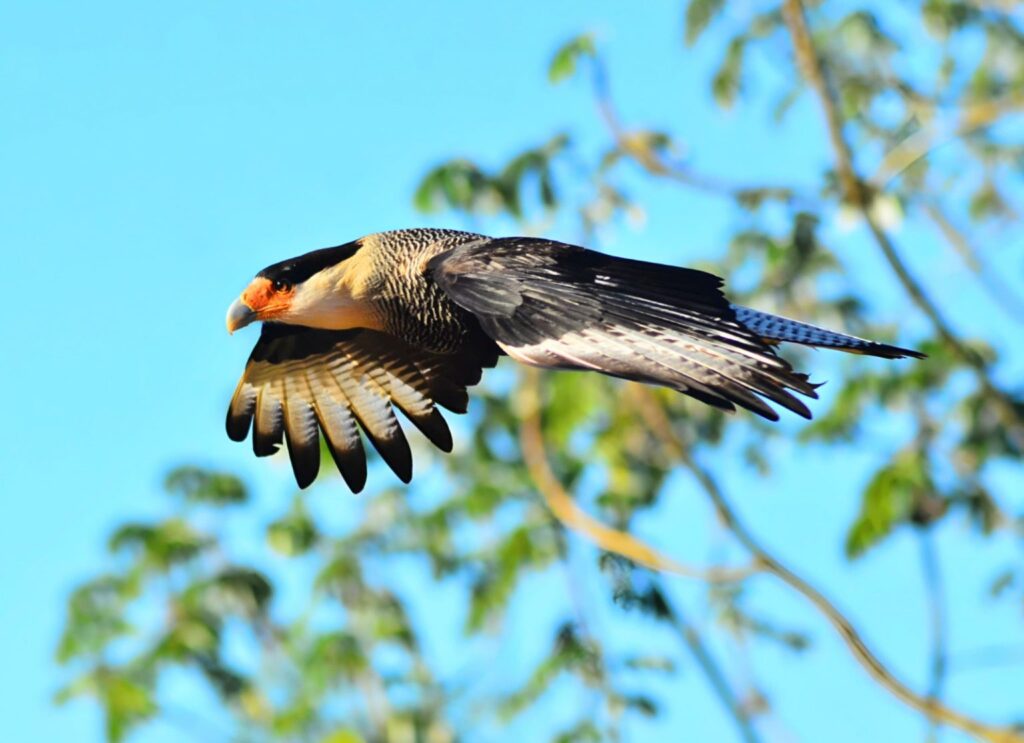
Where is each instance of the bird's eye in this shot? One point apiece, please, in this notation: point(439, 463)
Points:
point(280, 286)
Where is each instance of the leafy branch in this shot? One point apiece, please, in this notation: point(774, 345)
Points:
point(658, 421)
point(574, 518)
point(856, 193)
point(569, 513)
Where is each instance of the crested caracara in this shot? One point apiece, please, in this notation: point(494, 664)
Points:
point(410, 318)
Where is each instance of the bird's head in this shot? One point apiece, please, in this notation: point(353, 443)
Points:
point(326, 289)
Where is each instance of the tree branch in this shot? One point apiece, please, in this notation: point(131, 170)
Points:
point(576, 519)
point(937, 621)
point(655, 163)
point(658, 421)
point(856, 194)
point(1000, 292)
point(919, 145)
point(713, 672)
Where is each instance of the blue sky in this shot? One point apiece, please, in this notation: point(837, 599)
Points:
point(156, 155)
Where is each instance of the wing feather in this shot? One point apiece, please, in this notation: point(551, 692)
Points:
point(340, 429)
point(300, 381)
point(267, 434)
point(562, 306)
point(300, 428)
point(371, 404)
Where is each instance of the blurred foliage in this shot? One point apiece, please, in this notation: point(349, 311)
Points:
point(934, 113)
point(563, 64)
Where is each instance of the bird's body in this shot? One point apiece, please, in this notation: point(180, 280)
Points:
point(409, 319)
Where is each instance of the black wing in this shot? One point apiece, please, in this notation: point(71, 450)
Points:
point(301, 380)
point(555, 305)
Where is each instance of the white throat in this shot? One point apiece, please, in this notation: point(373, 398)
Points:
point(326, 300)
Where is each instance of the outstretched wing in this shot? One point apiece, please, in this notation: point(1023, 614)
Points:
point(301, 380)
point(555, 305)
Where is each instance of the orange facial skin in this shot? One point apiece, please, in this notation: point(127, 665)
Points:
point(261, 297)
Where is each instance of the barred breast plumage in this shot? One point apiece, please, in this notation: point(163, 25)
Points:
point(413, 306)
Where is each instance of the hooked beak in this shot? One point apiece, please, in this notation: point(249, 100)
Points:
point(239, 315)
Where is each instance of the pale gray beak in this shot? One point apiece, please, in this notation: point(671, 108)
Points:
point(239, 315)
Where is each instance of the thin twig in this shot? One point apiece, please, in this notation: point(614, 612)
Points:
point(656, 164)
point(932, 574)
point(713, 672)
point(572, 517)
point(583, 623)
point(1000, 291)
point(659, 423)
point(926, 141)
point(575, 518)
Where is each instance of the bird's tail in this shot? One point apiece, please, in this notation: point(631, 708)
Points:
point(775, 329)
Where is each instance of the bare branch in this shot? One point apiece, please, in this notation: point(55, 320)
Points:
point(855, 193)
point(924, 142)
point(713, 672)
point(656, 164)
point(659, 423)
point(575, 518)
point(1000, 292)
point(937, 622)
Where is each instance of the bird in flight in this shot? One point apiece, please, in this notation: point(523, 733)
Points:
point(408, 319)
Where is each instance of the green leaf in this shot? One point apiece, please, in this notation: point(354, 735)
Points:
point(943, 17)
point(341, 573)
point(889, 501)
point(334, 658)
point(238, 590)
point(987, 202)
point(127, 705)
point(642, 704)
point(294, 534)
point(96, 616)
point(524, 548)
point(228, 683)
point(1005, 580)
point(727, 83)
point(651, 663)
point(563, 64)
point(425, 197)
point(570, 654)
point(343, 735)
point(203, 486)
point(193, 634)
point(861, 34)
point(458, 184)
point(584, 731)
point(160, 545)
point(699, 14)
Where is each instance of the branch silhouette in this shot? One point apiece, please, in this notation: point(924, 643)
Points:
point(621, 543)
point(718, 681)
point(573, 517)
point(658, 421)
point(1000, 292)
point(934, 588)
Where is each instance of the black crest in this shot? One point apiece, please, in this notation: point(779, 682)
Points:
point(297, 270)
